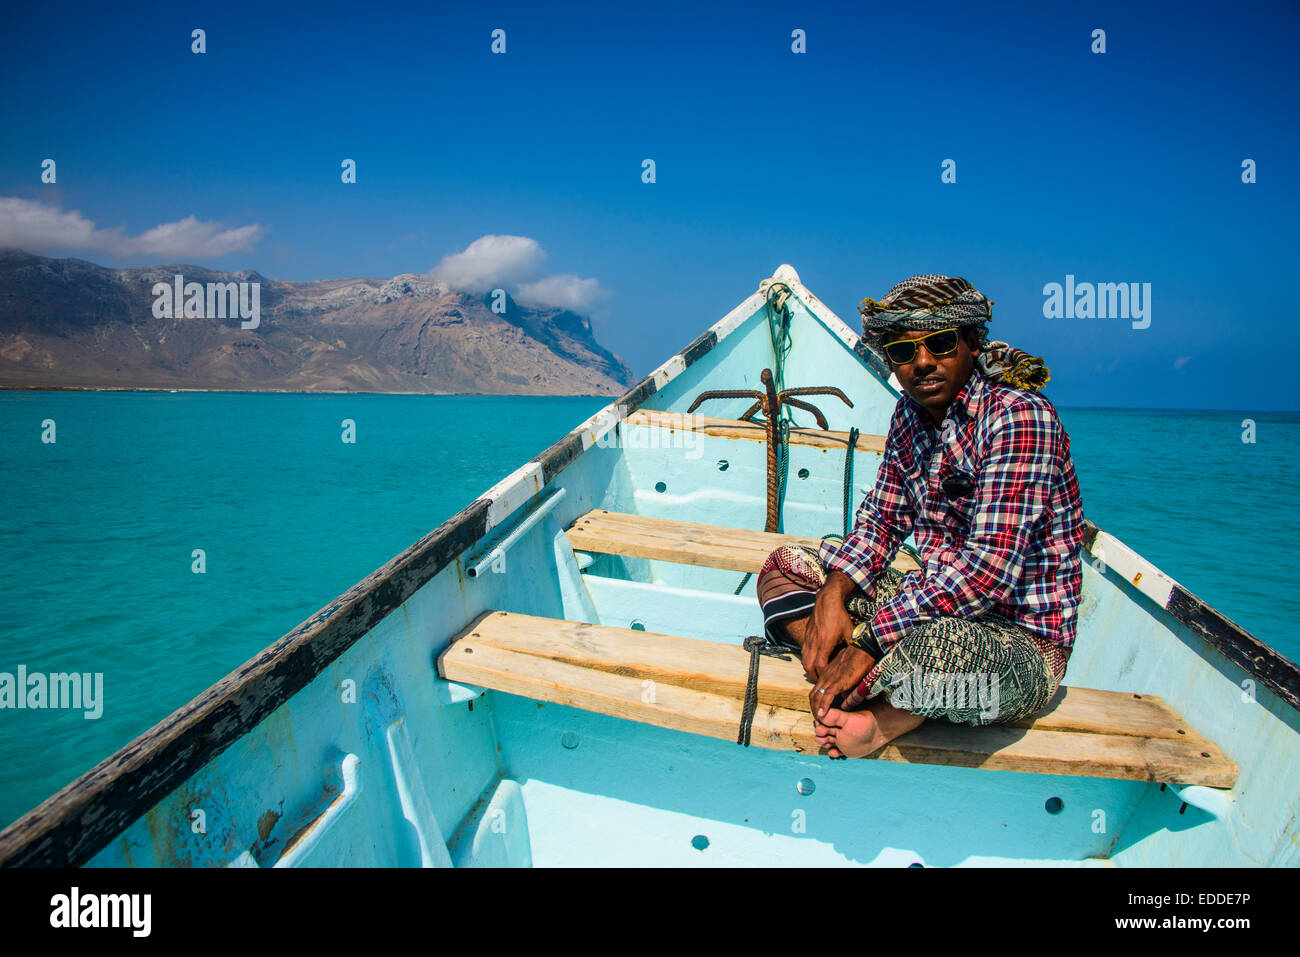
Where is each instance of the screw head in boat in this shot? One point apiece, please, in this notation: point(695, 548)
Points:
point(805, 786)
point(660, 487)
point(699, 842)
point(803, 473)
point(637, 624)
point(723, 465)
point(1054, 805)
point(569, 739)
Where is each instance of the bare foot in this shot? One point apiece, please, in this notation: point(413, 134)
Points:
point(855, 734)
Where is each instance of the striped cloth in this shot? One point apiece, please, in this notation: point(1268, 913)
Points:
point(972, 671)
point(926, 303)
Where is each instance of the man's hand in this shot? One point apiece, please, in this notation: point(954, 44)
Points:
point(843, 673)
point(829, 625)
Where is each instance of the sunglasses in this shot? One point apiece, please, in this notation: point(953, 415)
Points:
point(936, 343)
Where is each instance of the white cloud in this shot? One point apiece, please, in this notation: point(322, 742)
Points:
point(39, 227)
point(513, 263)
point(1182, 361)
point(189, 237)
point(490, 261)
point(35, 226)
point(567, 292)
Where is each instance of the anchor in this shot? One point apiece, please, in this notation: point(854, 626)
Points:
point(771, 402)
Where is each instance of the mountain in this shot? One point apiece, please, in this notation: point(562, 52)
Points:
point(71, 323)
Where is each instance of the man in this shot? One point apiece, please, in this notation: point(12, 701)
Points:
point(977, 468)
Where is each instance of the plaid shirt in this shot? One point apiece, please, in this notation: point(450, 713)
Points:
point(1012, 547)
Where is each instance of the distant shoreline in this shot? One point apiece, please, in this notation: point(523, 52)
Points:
point(143, 388)
point(534, 395)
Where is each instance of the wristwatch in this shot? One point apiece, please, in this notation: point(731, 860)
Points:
point(864, 640)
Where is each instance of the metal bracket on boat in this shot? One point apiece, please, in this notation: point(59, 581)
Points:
point(494, 558)
point(1213, 801)
point(450, 692)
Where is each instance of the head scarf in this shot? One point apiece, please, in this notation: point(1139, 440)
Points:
point(929, 303)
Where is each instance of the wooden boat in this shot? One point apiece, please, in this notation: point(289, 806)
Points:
point(554, 677)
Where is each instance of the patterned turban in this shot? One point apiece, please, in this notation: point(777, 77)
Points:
point(931, 302)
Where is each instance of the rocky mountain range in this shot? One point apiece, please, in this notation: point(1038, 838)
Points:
point(68, 323)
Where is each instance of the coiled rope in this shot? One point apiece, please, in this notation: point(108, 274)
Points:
point(756, 645)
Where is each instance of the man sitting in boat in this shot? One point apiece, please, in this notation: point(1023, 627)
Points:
point(977, 468)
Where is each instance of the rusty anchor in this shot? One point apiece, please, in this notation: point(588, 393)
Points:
point(770, 402)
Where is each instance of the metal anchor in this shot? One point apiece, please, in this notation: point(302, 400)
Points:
point(770, 402)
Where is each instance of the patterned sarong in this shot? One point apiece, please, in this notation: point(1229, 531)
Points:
point(976, 671)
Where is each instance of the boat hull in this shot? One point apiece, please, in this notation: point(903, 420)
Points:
point(340, 745)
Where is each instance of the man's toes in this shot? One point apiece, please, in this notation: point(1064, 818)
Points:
point(833, 718)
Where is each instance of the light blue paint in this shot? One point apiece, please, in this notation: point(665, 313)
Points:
point(494, 770)
point(497, 834)
point(326, 838)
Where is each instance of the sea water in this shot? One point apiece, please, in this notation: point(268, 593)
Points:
point(162, 539)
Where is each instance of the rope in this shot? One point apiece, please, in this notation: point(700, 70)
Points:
point(756, 645)
point(778, 329)
point(848, 480)
point(783, 473)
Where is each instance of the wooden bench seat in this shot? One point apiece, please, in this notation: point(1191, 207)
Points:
point(687, 543)
point(698, 687)
point(740, 429)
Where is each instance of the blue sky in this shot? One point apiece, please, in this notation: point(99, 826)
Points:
point(1118, 167)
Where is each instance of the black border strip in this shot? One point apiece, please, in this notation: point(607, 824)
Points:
point(872, 361)
point(1270, 667)
point(700, 347)
point(1267, 665)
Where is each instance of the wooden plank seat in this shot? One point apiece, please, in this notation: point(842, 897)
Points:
point(698, 687)
point(740, 429)
point(688, 543)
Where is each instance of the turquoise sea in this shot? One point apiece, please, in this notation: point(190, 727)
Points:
point(98, 529)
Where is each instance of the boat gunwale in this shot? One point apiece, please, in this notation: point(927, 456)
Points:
point(86, 815)
point(83, 817)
